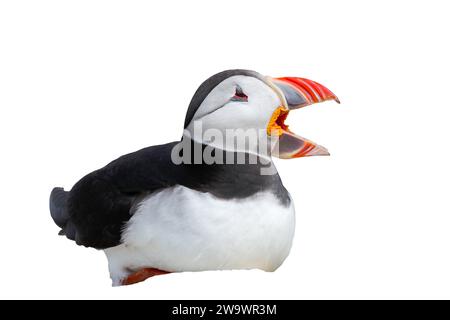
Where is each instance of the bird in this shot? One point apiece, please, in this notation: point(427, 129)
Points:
point(204, 202)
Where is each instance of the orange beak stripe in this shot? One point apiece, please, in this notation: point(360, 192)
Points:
point(312, 91)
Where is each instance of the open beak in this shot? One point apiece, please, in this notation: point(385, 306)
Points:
point(295, 93)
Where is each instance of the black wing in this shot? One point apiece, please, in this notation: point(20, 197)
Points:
point(94, 212)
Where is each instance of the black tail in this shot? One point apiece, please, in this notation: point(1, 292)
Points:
point(58, 199)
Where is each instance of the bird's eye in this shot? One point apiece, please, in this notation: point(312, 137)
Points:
point(239, 95)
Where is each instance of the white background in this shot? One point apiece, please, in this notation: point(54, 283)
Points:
point(83, 82)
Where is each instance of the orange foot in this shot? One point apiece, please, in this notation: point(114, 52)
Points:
point(142, 275)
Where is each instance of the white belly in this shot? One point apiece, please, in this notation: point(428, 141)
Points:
point(179, 229)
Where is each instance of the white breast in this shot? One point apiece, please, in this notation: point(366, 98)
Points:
point(179, 229)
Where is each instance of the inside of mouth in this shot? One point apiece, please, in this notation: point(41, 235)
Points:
point(276, 123)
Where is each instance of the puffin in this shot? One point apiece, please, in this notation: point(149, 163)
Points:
point(212, 200)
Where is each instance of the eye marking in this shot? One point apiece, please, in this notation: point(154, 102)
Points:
point(239, 95)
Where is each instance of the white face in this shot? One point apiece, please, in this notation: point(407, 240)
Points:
point(238, 102)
